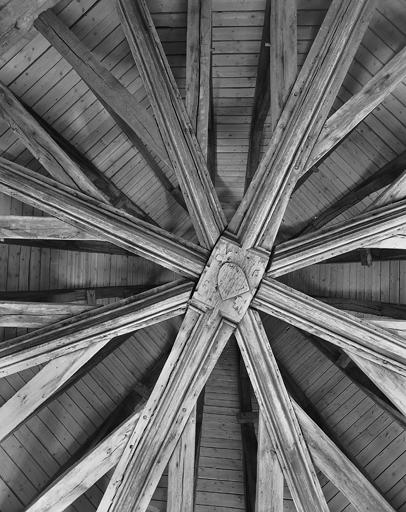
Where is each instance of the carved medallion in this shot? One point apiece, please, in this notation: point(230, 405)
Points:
point(231, 281)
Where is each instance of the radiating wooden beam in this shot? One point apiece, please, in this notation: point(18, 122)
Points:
point(376, 255)
point(174, 124)
point(269, 494)
point(195, 352)
point(375, 308)
point(136, 121)
point(81, 211)
point(279, 416)
point(360, 105)
point(361, 231)
point(17, 17)
point(54, 160)
point(36, 314)
point(85, 329)
point(260, 213)
point(353, 334)
point(40, 228)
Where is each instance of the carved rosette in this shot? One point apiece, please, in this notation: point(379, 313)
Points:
point(230, 279)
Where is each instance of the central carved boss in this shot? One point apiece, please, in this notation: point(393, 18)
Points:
point(230, 279)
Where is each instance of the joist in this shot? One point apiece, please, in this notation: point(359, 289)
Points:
point(350, 333)
point(269, 495)
point(54, 160)
point(173, 122)
point(85, 329)
point(260, 213)
point(360, 105)
point(279, 416)
point(16, 20)
point(83, 212)
point(361, 231)
point(138, 123)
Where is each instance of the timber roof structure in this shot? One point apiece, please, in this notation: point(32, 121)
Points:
point(202, 256)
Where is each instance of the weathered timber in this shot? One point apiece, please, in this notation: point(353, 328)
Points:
point(135, 120)
point(260, 213)
point(248, 439)
point(183, 148)
point(338, 469)
point(16, 20)
point(375, 254)
point(85, 329)
point(40, 228)
point(54, 160)
point(103, 220)
point(353, 334)
point(360, 105)
point(361, 231)
point(278, 415)
point(269, 493)
point(378, 309)
point(378, 180)
point(116, 196)
point(36, 314)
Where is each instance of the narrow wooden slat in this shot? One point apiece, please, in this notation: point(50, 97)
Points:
point(338, 327)
point(85, 329)
point(360, 105)
point(85, 213)
point(279, 416)
point(183, 149)
point(338, 469)
point(269, 497)
point(55, 161)
point(181, 475)
point(361, 231)
point(259, 215)
point(195, 352)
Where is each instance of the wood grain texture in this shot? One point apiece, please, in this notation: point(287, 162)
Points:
point(279, 417)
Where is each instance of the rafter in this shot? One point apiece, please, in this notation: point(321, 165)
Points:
point(85, 329)
point(174, 124)
point(80, 210)
point(261, 211)
point(361, 231)
point(133, 117)
point(340, 328)
point(279, 417)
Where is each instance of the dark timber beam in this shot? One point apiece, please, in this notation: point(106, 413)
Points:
point(113, 225)
point(361, 231)
point(99, 324)
point(173, 121)
point(260, 213)
point(135, 120)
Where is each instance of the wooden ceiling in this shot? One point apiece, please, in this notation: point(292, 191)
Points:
point(87, 99)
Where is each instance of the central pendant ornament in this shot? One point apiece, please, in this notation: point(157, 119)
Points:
point(231, 281)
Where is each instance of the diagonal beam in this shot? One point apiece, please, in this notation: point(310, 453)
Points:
point(279, 416)
point(257, 220)
point(55, 161)
point(195, 352)
point(85, 329)
point(361, 231)
point(83, 212)
point(136, 121)
point(352, 334)
point(183, 149)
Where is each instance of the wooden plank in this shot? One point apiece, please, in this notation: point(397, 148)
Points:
point(82, 211)
point(40, 228)
point(17, 17)
point(269, 496)
point(359, 106)
point(111, 93)
point(183, 149)
point(43, 147)
point(338, 469)
point(338, 327)
point(361, 231)
point(95, 325)
point(259, 215)
point(181, 470)
point(278, 414)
